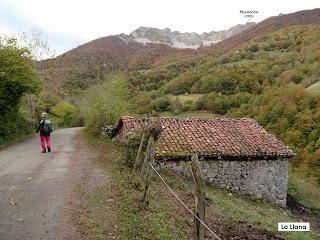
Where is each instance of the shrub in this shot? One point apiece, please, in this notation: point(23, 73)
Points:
point(161, 104)
point(296, 78)
point(67, 114)
point(183, 83)
point(221, 104)
point(188, 106)
point(105, 103)
point(46, 101)
point(131, 151)
point(176, 105)
point(254, 48)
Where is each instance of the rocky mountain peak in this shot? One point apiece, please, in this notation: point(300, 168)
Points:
point(178, 39)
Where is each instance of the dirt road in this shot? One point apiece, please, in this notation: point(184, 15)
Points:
point(36, 188)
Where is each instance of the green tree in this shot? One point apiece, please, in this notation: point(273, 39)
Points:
point(17, 77)
point(67, 113)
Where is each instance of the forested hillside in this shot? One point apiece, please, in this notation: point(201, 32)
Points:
point(88, 64)
point(267, 79)
point(269, 25)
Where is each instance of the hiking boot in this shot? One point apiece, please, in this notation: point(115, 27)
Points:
point(44, 151)
point(49, 149)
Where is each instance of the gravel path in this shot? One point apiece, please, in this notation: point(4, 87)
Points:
point(36, 189)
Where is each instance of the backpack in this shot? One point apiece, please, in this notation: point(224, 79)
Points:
point(47, 126)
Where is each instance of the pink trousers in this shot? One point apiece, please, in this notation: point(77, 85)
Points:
point(43, 141)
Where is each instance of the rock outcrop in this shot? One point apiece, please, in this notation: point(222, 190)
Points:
point(178, 39)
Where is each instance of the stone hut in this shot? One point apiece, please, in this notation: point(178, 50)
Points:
point(235, 153)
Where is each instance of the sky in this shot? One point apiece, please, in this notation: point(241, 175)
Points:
point(69, 23)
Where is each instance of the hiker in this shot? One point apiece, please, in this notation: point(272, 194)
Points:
point(45, 128)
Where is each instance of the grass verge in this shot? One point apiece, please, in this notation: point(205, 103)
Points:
point(123, 198)
point(229, 215)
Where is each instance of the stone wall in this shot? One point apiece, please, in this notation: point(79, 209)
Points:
point(266, 179)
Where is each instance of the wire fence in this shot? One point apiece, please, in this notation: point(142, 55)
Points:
point(183, 204)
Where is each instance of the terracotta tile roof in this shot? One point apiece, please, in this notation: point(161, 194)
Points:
point(209, 137)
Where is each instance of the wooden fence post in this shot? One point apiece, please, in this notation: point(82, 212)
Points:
point(139, 153)
point(146, 172)
point(200, 197)
point(147, 153)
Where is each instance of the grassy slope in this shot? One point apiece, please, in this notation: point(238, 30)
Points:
point(229, 215)
point(305, 190)
point(184, 98)
point(239, 209)
point(189, 114)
